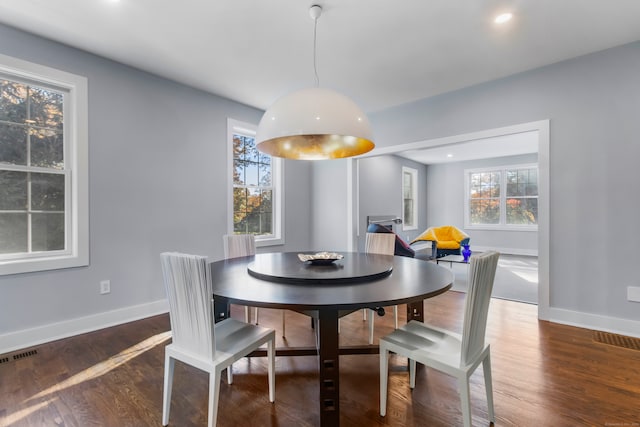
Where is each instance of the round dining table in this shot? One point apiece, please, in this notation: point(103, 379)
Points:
point(327, 290)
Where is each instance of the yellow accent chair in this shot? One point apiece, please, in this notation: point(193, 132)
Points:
point(445, 240)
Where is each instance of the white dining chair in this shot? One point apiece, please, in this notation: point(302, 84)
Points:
point(455, 354)
point(383, 244)
point(236, 246)
point(240, 245)
point(196, 339)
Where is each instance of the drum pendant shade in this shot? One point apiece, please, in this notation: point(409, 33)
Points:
point(314, 124)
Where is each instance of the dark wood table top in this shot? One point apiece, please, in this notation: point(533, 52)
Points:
point(410, 280)
point(286, 267)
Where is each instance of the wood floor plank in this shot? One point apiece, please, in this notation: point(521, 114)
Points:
point(544, 374)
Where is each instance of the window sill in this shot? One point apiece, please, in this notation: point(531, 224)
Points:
point(33, 265)
point(273, 241)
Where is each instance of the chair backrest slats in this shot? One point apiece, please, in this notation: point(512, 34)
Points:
point(380, 243)
point(190, 294)
point(239, 245)
point(482, 271)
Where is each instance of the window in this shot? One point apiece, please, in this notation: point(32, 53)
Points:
point(502, 198)
point(43, 168)
point(256, 190)
point(409, 199)
point(484, 197)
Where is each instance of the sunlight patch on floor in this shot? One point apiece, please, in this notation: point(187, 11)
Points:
point(14, 417)
point(105, 366)
point(525, 268)
point(530, 276)
point(519, 263)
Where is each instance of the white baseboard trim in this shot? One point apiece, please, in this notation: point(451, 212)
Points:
point(507, 251)
point(596, 322)
point(35, 336)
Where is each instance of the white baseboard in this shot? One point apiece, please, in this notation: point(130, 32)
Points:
point(35, 336)
point(507, 251)
point(596, 322)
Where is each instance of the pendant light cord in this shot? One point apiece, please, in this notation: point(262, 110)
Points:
point(315, 47)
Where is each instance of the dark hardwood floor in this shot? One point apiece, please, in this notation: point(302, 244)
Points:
point(543, 375)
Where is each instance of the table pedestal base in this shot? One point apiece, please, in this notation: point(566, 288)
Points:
point(329, 353)
point(415, 311)
point(329, 368)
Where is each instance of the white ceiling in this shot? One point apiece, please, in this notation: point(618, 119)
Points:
point(484, 148)
point(381, 53)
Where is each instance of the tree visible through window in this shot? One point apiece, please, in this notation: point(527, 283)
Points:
point(252, 188)
point(409, 198)
point(522, 196)
point(44, 209)
point(503, 197)
point(484, 204)
point(32, 169)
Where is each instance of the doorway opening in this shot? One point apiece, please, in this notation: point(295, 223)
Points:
point(521, 267)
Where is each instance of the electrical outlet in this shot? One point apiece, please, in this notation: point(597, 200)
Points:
point(633, 293)
point(105, 287)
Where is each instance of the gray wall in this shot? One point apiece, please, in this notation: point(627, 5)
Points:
point(593, 104)
point(380, 193)
point(330, 193)
point(158, 182)
point(445, 187)
point(158, 177)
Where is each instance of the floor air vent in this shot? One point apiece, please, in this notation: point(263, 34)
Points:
point(17, 356)
point(617, 340)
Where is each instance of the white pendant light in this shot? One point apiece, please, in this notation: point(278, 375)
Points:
point(314, 123)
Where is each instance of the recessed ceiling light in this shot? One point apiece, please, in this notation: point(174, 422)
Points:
point(449, 155)
point(503, 17)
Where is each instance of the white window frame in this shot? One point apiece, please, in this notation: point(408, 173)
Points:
point(277, 173)
point(414, 196)
point(502, 226)
point(76, 137)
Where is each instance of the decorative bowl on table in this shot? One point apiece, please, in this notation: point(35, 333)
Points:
point(320, 258)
